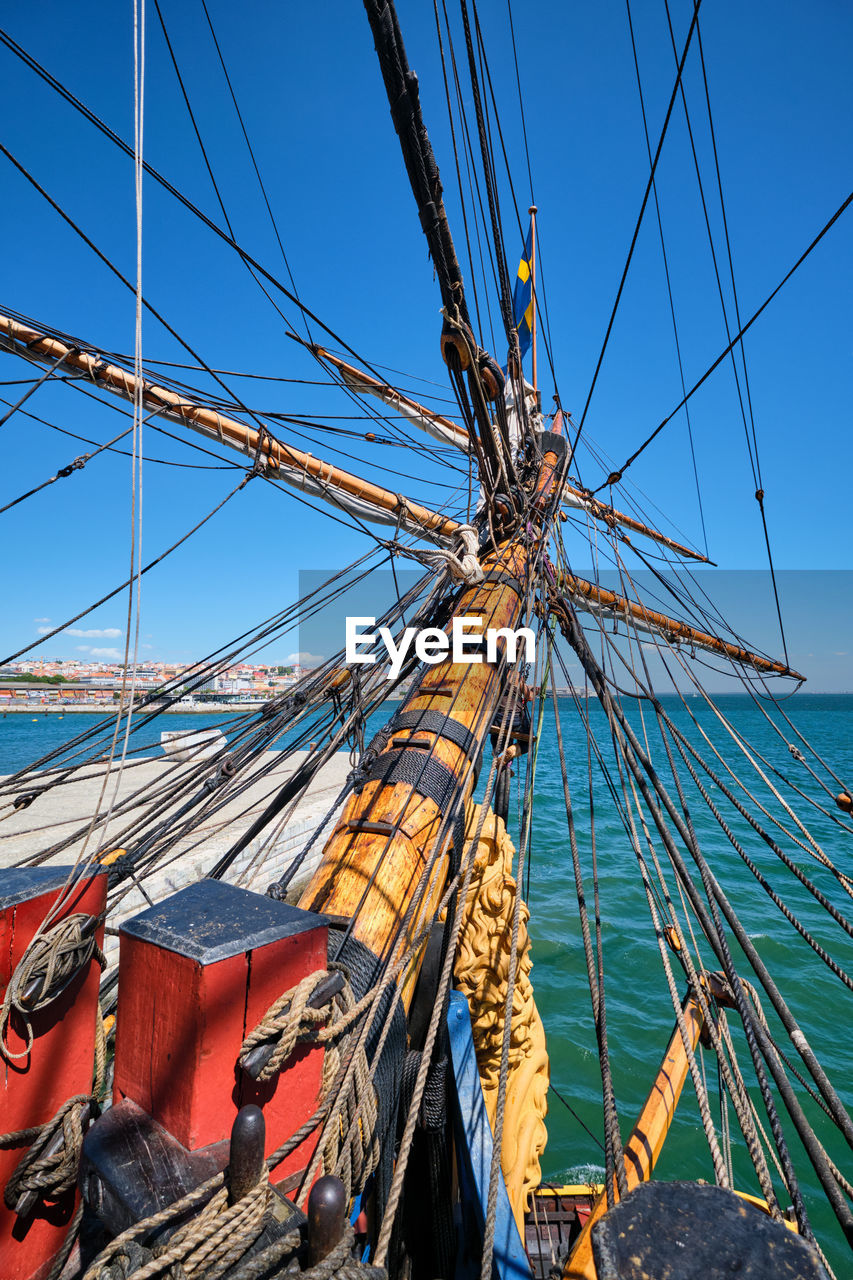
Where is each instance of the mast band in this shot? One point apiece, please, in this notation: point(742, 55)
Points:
point(437, 722)
point(505, 580)
point(428, 778)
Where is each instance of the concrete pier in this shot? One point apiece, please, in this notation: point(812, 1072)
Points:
point(65, 808)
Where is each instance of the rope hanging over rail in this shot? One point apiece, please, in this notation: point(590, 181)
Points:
point(49, 963)
point(350, 1150)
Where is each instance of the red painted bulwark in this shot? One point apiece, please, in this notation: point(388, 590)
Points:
point(180, 1027)
point(59, 1066)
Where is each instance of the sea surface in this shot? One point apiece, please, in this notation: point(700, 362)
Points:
point(640, 1018)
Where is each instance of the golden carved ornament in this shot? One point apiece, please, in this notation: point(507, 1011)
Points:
point(481, 971)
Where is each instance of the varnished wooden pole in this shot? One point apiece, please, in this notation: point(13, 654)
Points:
point(599, 598)
point(357, 379)
point(290, 465)
point(647, 1136)
point(373, 862)
point(374, 873)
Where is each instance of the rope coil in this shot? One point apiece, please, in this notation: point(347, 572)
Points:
point(46, 1172)
point(51, 960)
point(216, 1237)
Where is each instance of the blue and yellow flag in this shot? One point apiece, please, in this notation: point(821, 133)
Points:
point(522, 297)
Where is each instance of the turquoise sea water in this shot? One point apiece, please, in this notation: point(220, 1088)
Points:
point(639, 1013)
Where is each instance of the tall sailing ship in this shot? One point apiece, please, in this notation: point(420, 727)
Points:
point(244, 1037)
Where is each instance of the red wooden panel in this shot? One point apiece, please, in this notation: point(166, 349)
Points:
point(60, 1064)
point(183, 1017)
point(290, 1098)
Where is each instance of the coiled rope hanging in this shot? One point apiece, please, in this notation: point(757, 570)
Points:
point(47, 966)
point(49, 1167)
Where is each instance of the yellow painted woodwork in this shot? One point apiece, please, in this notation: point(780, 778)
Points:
point(113, 855)
point(575, 1189)
point(765, 1208)
point(481, 971)
point(647, 1137)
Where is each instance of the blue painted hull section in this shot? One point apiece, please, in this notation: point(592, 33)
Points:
point(474, 1147)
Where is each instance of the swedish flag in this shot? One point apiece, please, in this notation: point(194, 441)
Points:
point(522, 297)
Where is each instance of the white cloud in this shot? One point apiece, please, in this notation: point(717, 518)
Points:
point(41, 619)
point(83, 648)
point(305, 659)
point(106, 653)
point(43, 631)
point(107, 633)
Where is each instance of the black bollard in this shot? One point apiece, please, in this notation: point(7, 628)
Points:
point(246, 1160)
point(327, 1210)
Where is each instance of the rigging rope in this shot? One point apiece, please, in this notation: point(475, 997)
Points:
point(616, 476)
point(639, 223)
point(53, 957)
point(666, 272)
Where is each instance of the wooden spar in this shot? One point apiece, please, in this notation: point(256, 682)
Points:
point(608, 515)
point(294, 467)
point(533, 369)
point(384, 869)
point(595, 599)
point(643, 1147)
point(448, 431)
point(435, 424)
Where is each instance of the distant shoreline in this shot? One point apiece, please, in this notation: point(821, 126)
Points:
point(210, 709)
point(95, 708)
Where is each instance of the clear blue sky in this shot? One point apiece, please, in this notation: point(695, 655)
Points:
point(314, 104)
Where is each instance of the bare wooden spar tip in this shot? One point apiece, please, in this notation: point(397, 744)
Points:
point(580, 500)
point(435, 424)
point(590, 596)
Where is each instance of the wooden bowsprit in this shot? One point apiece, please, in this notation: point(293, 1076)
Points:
point(647, 1137)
